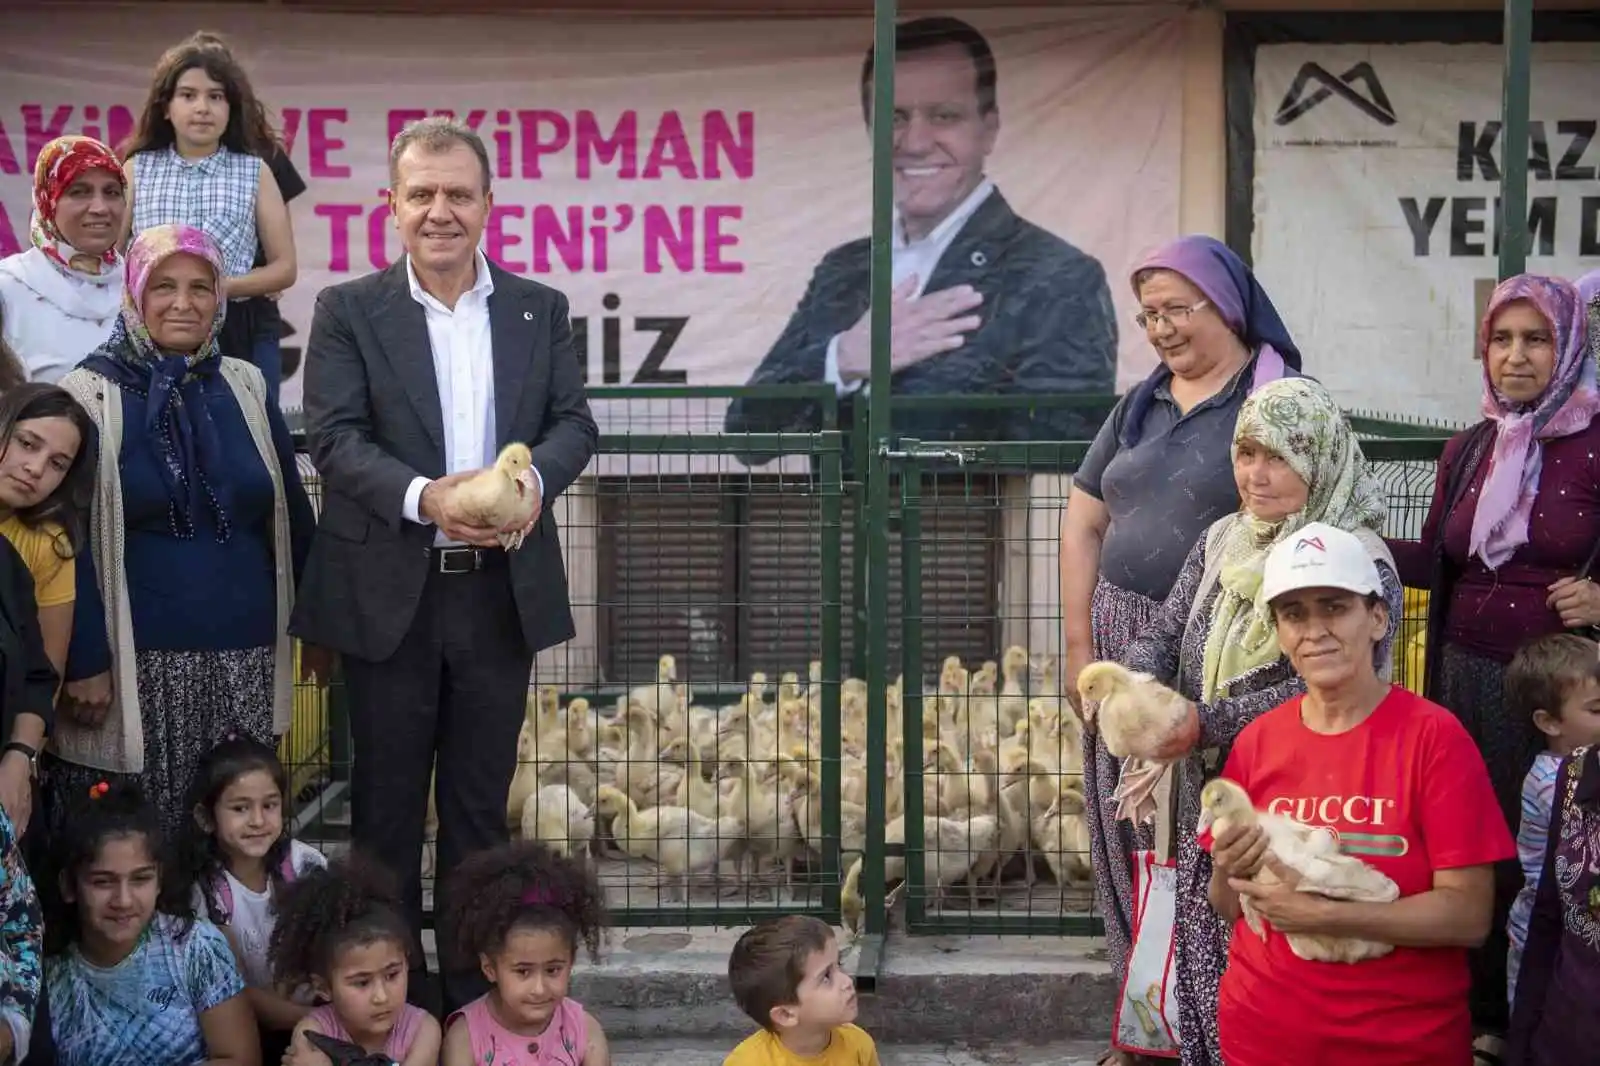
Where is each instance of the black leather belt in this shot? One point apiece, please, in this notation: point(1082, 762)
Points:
point(467, 560)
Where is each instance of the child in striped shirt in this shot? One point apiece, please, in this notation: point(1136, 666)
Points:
point(1555, 681)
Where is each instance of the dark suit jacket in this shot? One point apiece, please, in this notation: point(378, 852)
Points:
point(374, 423)
point(1047, 327)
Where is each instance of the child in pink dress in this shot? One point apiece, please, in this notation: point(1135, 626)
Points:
point(341, 931)
point(520, 911)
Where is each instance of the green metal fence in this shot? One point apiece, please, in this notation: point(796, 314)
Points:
point(684, 742)
point(992, 838)
point(766, 722)
point(710, 634)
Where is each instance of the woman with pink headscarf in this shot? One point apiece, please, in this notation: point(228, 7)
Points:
point(199, 525)
point(1589, 292)
point(1507, 550)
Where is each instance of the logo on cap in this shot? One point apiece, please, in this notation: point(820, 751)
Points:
point(1310, 542)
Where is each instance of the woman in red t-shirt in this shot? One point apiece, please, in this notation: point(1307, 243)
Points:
point(1400, 783)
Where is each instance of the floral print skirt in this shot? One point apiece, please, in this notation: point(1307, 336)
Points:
point(189, 700)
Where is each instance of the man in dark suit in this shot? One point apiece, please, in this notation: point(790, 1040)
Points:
point(415, 378)
point(984, 301)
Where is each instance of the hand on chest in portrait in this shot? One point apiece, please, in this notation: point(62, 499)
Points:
point(519, 329)
point(984, 352)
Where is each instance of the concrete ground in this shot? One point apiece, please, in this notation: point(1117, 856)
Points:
point(668, 983)
point(662, 995)
point(711, 1052)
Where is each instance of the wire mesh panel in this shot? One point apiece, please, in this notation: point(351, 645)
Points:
point(703, 738)
point(315, 750)
point(991, 786)
point(687, 740)
point(1407, 470)
point(986, 829)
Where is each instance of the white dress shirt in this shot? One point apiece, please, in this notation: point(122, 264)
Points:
point(463, 366)
point(919, 257)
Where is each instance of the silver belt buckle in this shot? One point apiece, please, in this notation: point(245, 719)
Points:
point(459, 560)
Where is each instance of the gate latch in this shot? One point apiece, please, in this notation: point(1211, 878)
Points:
point(938, 455)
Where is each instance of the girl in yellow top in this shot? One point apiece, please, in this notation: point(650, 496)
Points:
point(46, 484)
point(47, 470)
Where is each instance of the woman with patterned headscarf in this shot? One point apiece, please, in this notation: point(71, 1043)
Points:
point(1295, 461)
point(1507, 551)
point(59, 298)
point(199, 526)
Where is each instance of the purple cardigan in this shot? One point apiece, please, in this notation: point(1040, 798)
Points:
point(1554, 1021)
point(1493, 613)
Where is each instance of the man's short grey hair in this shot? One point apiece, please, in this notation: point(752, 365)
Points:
point(436, 133)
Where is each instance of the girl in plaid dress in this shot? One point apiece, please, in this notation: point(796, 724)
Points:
point(197, 158)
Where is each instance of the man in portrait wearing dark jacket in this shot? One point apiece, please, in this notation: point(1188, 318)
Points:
point(984, 302)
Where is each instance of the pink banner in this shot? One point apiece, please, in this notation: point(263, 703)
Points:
point(680, 180)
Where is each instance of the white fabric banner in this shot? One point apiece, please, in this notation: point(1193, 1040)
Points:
point(1377, 178)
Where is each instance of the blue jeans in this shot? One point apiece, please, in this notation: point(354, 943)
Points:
point(267, 354)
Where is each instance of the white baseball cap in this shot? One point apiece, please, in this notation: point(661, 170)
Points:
point(1320, 556)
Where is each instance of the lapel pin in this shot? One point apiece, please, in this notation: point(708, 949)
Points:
point(979, 259)
point(527, 316)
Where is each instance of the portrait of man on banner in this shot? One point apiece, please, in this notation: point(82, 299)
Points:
point(985, 302)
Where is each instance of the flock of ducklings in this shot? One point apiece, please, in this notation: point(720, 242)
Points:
point(703, 791)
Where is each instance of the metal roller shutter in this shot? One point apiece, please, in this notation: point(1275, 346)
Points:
point(781, 576)
point(666, 578)
point(727, 576)
point(780, 572)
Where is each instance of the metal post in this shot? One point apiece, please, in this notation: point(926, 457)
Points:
point(832, 579)
point(1515, 77)
point(914, 844)
point(878, 409)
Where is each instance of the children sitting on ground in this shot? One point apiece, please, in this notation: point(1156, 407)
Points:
point(237, 853)
point(519, 912)
point(133, 976)
point(341, 930)
point(786, 976)
point(1554, 682)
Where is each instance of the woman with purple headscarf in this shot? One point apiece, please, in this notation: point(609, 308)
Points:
point(1158, 474)
point(1507, 551)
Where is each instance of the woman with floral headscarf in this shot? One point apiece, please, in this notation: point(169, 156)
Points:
point(1507, 550)
point(199, 526)
point(1295, 461)
point(59, 298)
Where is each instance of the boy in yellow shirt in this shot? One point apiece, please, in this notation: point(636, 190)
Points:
point(786, 975)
